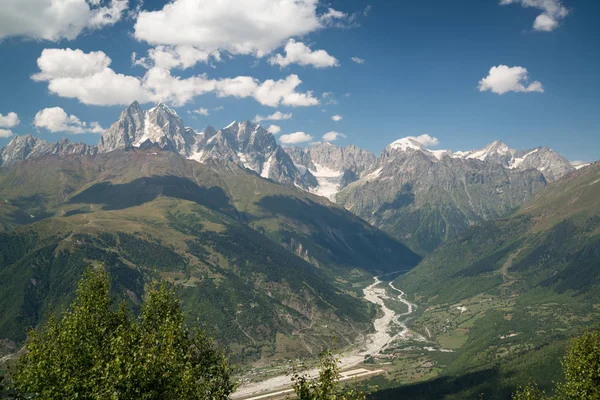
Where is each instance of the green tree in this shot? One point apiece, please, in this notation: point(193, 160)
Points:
point(96, 352)
point(581, 367)
point(326, 386)
point(530, 392)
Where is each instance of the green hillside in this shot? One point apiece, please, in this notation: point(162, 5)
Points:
point(268, 268)
point(505, 295)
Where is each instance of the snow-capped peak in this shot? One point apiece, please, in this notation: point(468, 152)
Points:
point(230, 125)
point(405, 144)
point(164, 107)
point(494, 148)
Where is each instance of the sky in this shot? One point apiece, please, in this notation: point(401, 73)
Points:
point(457, 74)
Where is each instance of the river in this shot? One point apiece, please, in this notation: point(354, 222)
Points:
point(373, 344)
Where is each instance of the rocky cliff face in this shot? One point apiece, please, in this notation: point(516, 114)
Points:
point(242, 143)
point(421, 196)
point(21, 148)
point(551, 164)
point(333, 167)
point(424, 198)
point(160, 126)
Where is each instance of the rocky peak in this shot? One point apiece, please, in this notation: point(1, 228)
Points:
point(24, 147)
point(125, 131)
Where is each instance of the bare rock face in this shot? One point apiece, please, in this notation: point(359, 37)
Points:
point(421, 196)
point(24, 147)
point(547, 161)
point(253, 147)
point(424, 197)
point(159, 125)
point(125, 131)
point(334, 167)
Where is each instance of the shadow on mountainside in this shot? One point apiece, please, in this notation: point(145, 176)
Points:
point(467, 386)
point(144, 190)
point(348, 239)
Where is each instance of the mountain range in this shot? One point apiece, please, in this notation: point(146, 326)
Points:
point(507, 294)
point(274, 261)
point(271, 246)
point(422, 197)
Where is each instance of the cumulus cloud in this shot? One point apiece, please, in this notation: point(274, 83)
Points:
point(425, 140)
point(332, 136)
point(169, 57)
point(295, 138)
point(55, 20)
point(276, 116)
point(299, 53)
point(202, 111)
point(9, 120)
point(88, 78)
point(257, 27)
point(502, 79)
point(274, 129)
point(68, 63)
point(552, 12)
point(337, 118)
point(358, 60)
point(55, 119)
point(5, 133)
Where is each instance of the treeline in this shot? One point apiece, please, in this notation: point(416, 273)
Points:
point(98, 350)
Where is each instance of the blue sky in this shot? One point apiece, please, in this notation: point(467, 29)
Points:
point(422, 70)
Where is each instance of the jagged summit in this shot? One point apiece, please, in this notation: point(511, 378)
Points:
point(23, 147)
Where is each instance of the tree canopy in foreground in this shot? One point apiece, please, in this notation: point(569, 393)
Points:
point(581, 366)
point(98, 351)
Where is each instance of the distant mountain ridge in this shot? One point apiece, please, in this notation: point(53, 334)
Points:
point(420, 196)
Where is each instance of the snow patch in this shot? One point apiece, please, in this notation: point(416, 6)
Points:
point(267, 167)
point(405, 144)
point(439, 154)
point(329, 181)
point(197, 156)
point(493, 148)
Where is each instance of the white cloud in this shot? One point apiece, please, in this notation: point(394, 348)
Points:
point(274, 129)
point(5, 133)
point(299, 53)
point(337, 118)
point(545, 23)
point(358, 60)
point(502, 79)
point(425, 140)
point(56, 19)
point(169, 57)
point(553, 11)
point(55, 119)
point(338, 19)
point(332, 136)
point(88, 78)
point(273, 93)
point(276, 116)
point(68, 63)
point(254, 27)
point(202, 111)
point(9, 120)
point(295, 138)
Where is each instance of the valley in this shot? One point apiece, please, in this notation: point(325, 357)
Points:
point(370, 347)
point(416, 266)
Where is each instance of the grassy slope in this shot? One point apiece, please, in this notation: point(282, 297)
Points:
point(223, 236)
point(534, 275)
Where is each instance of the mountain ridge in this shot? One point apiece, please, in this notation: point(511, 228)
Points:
point(418, 195)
